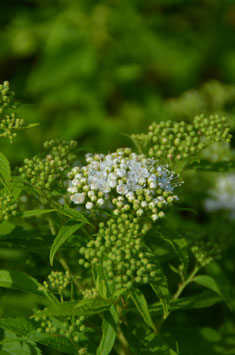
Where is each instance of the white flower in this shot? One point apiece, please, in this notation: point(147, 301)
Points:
point(78, 198)
point(100, 202)
point(89, 205)
point(120, 172)
point(72, 190)
point(120, 177)
point(122, 189)
point(223, 195)
point(154, 217)
point(75, 182)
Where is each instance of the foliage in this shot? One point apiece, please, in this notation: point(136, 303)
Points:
point(113, 251)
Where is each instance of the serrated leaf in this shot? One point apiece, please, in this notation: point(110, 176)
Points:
point(74, 214)
point(178, 243)
point(75, 308)
point(140, 346)
point(24, 327)
point(5, 172)
point(204, 300)
point(205, 165)
point(142, 306)
point(65, 232)
point(109, 331)
point(15, 346)
point(103, 286)
point(19, 281)
point(160, 287)
point(39, 212)
point(211, 283)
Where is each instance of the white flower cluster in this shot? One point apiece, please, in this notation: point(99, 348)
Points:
point(223, 195)
point(128, 180)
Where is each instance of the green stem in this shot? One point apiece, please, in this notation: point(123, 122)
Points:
point(179, 291)
point(123, 344)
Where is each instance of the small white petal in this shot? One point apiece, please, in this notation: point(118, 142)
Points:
point(89, 205)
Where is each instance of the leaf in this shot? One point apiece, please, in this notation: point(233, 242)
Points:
point(142, 306)
point(31, 125)
point(24, 185)
point(139, 346)
point(103, 286)
point(15, 346)
point(33, 213)
point(178, 243)
point(5, 172)
point(75, 308)
point(198, 340)
point(65, 232)
point(204, 300)
point(109, 331)
point(74, 214)
point(205, 165)
point(160, 287)
point(19, 281)
point(6, 228)
point(24, 327)
point(211, 283)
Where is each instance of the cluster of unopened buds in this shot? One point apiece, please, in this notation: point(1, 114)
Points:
point(128, 180)
point(6, 96)
point(8, 207)
point(172, 140)
point(58, 281)
point(71, 327)
point(90, 293)
point(206, 252)
point(119, 248)
point(9, 121)
point(42, 172)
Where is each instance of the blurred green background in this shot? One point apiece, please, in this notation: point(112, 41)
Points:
point(91, 70)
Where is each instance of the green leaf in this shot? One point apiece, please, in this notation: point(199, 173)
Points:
point(109, 331)
point(74, 214)
point(141, 346)
point(5, 172)
point(15, 346)
point(205, 165)
point(211, 283)
point(75, 308)
point(19, 281)
point(24, 327)
point(142, 306)
point(178, 243)
point(65, 232)
point(160, 287)
point(204, 300)
point(33, 213)
point(198, 340)
point(103, 286)
point(31, 125)
point(6, 228)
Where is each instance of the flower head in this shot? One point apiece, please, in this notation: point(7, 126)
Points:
point(126, 179)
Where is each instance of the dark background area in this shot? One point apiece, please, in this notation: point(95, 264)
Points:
point(90, 70)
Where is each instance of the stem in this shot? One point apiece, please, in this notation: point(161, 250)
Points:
point(124, 347)
point(179, 290)
point(184, 283)
point(61, 298)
